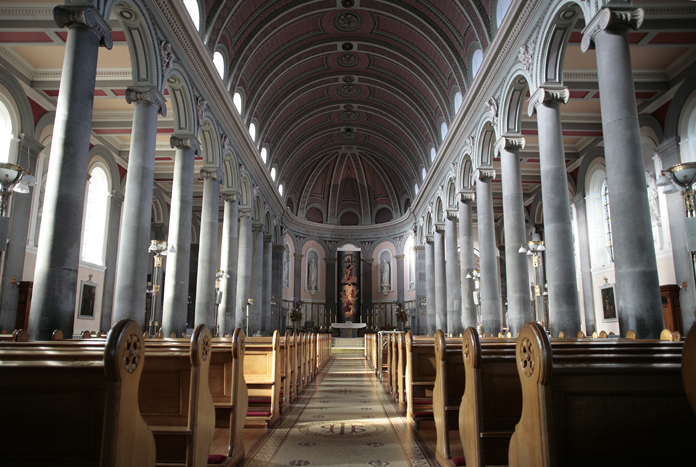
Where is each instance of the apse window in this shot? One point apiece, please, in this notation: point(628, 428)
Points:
point(416, 188)
point(476, 61)
point(457, 101)
point(443, 130)
point(264, 155)
point(194, 12)
point(273, 173)
point(237, 100)
point(433, 153)
point(280, 189)
point(423, 173)
point(252, 131)
point(219, 62)
point(94, 231)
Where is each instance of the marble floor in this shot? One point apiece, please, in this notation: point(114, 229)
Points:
point(344, 418)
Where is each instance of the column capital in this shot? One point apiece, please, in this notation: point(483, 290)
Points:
point(547, 95)
point(610, 18)
point(212, 173)
point(578, 198)
point(228, 196)
point(508, 143)
point(278, 247)
point(116, 197)
point(419, 248)
point(467, 196)
point(452, 214)
point(267, 238)
point(245, 213)
point(439, 227)
point(147, 94)
point(399, 256)
point(30, 144)
point(185, 141)
point(484, 174)
point(87, 16)
point(367, 260)
point(429, 238)
point(330, 260)
point(299, 256)
point(256, 228)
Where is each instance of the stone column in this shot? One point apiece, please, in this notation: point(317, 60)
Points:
point(256, 283)
point(467, 261)
point(400, 278)
point(175, 304)
point(131, 282)
point(243, 270)
point(431, 306)
point(13, 258)
point(266, 328)
point(228, 263)
point(639, 305)
point(517, 269)
point(440, 278)
point(297, 283)
point(564, 306)
point(488, 261)
point(207, 250)
point(58, 256)
point(668, 152)
point(330, 287)
point(366, 292)
point(277, 287)
point(454, 308)
point(116, 200)
point(421, 309)
point(585, 264)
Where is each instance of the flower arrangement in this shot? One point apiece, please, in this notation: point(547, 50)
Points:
point(296, 313)
point(401, 314)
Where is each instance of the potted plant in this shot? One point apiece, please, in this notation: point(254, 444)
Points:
point(402, 315)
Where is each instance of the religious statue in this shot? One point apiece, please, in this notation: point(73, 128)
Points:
point(386, 275)
point(312, 280)
point(286, 270)
point(652, 197)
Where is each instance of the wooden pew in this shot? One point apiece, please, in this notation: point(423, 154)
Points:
point(95, 420)
point(262, 375)
point(614, 410)
point(18, 335)
point(420, 378)
point(401, 371)
point(287, 351)
point(689, 367)
point(447, 392)
point(175, 400)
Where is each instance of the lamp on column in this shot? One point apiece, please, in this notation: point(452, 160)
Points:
point(159, 248)
point(475, 274)
point(534, 249)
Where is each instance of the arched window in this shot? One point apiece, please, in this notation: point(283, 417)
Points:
point(6, 133)
point(219, 62)
point(443, 130)
point(94, 231)
point(237, 99)
point(476, 61)
point(194, 12)
point(423, 173)
point(264, 155)
point(607, 221)
point(280, 189)
point(416, 187)
point(252, 131)
point(273, 173)
point(433, 153)
point(501, 9)
point(457, 101)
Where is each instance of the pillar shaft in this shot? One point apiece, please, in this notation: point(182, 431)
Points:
point(267, 284)
point(564, 306)
point(277, 287)
point(431, 305)
point(584, 246)
point(366, 293)
point(517, 269)
point(467, 261)
point(421, 309)
point(228, 263)
point(256, 283)
point(637, 284)
point(330, 288)
point(58, 256)
point(488, 261)
point(131, 282)
point(175, 305)
point(400, 278)
point(116, 200)
point(440, 279)
point(207, 250)
point(454, 313)
point(243, 270)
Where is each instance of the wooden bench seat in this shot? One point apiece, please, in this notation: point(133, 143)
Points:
point(77, 412)
point(585, 409)
point(18, 335)
point(420, 378)
point(262, 375)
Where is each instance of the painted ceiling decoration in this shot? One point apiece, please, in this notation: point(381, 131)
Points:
point(375, 74)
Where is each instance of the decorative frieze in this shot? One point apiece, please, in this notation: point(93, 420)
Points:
point(526, 56)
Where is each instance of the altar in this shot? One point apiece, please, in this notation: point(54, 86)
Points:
point(347, 328)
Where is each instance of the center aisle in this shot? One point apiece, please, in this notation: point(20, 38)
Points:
point(343, 418)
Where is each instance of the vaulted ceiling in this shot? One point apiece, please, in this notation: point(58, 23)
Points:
point(371, 82)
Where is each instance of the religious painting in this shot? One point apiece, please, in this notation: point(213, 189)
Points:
point(348, 286)
point(609, 303)
point(88, 295)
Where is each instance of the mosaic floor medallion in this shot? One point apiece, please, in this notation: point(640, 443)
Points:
point(352, 429)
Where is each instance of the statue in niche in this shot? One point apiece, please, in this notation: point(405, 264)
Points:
point(312, 277)
point(386, 275)
point(652, 197)
point(286, 269)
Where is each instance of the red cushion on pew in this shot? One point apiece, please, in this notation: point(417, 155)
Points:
point(216, 459)
point(423, 402)
point(459, 461)
point(260, 400)
point(423, 414)
point(260, 414)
